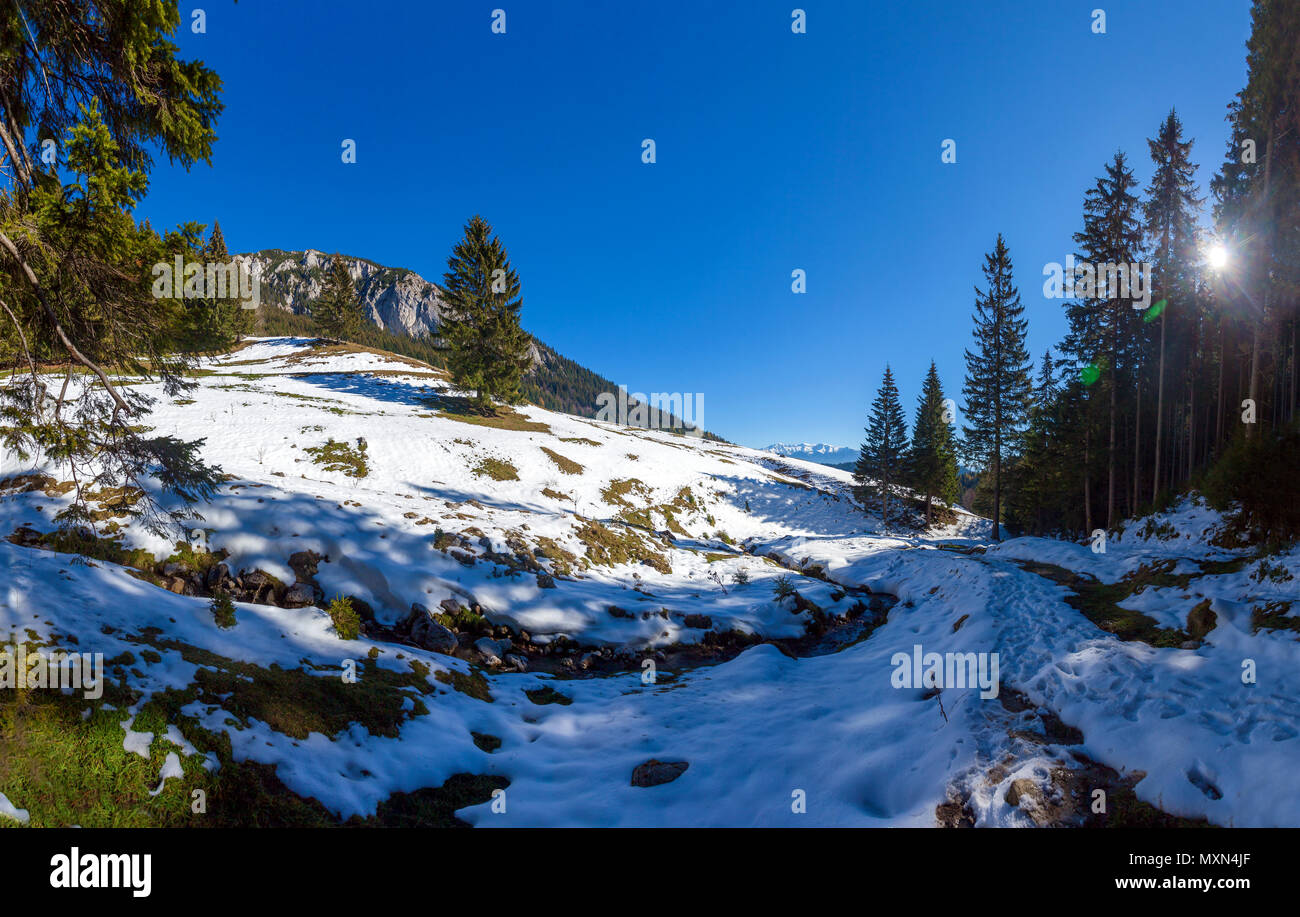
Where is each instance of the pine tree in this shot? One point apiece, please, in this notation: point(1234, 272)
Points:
point(487, 349)
point(337, 311)
point(881, 460)
point(932, 459)
point(996, 389)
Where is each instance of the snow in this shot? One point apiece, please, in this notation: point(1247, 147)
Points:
point(762, 731)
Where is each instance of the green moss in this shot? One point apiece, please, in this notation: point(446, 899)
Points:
point(472, 684)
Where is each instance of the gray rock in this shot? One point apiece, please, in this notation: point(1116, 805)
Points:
point(428, 633)
point(655, 772)
point(518, 663)
point(489, 650)
point(300, 595)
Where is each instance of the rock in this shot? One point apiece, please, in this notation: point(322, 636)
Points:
point(489, 650)
point(586, 660)
point(545, 581)
point(518, 663)
point(175, 569)
point(427, 632)
point(450, 605)
point(703, 622)
point(218, 574)
point(655, 772)
point(300, 595)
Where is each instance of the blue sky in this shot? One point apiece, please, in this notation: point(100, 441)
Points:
point(775, 151)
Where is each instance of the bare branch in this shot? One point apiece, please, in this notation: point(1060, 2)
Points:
point(50, 314)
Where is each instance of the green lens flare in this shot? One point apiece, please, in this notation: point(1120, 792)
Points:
point(1154, 312)
point(1090, 374)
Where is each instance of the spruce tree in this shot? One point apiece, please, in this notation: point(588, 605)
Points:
point(932, 459)
point(233, 321)
point(487, 349)
point(1110, 329)
point(996, 389)
point(337, 311)
point(881, 460)
point(1170, 227)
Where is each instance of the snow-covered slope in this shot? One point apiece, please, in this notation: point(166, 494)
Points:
point(635, 574)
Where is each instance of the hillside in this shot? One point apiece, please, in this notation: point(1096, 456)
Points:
point(404, 310)
point(614, 626)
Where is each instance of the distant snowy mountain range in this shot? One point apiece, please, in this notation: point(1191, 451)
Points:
point(823, 453)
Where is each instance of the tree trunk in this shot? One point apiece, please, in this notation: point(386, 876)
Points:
point(1160, 409)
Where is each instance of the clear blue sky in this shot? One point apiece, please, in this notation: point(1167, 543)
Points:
point(776, 151)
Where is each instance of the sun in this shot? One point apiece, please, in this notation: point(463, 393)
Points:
point(1217, 257)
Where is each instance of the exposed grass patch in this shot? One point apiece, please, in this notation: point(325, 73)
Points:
point(473, 683)
point(343, 457)
point(500, 417)
point(609, 548)
point(548, 695)
point(1099, 602)
point(497, 470)
point(580, 439)
point(1273, 616)
point(616, 492)
point(567, 466)
point(297, 702)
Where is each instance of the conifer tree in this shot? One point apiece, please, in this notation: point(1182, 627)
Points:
point(1110, 329)
point(337, 311)
point(1170, 227)
point(233, 321)
point(881, 460)
point(487, 349)
point(996, 389)
point(932, 459)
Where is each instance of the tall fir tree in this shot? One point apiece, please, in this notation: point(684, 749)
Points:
point(1107, 332)
point(997, 388)
point(1170, 227)
point(882, 459)
point(932, 458)
point(487, 349)
point(337, 311)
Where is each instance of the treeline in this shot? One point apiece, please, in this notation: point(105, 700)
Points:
point(1198, 388)
point(1179, 366)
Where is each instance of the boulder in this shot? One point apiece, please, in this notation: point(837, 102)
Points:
point(655, 772)
point(428, 633)
point(300, 595)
